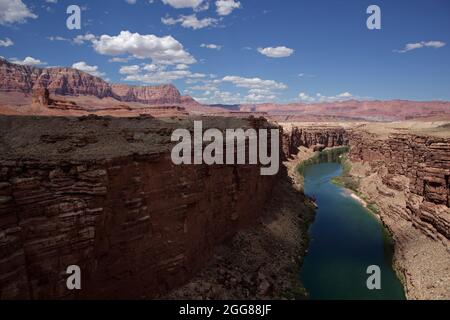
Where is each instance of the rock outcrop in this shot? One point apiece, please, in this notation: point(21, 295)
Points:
point(41, 96)
point(103, 194)
point(407, 177)
point(425, 162)
point(317, 138)
point(161, 95)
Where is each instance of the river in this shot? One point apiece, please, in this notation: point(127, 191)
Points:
point(346, 238)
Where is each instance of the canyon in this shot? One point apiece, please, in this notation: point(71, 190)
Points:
point(86, 178)
point(136, 223)
point(402, 170)
point(133, 221)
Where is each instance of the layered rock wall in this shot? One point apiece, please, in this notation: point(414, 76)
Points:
point(103, 194)
point(72, 82)
point(425, 163)
point(317, 138)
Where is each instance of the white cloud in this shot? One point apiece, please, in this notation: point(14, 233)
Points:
point(276, 52)
point(220, 97)
point(190, 21)
point(162, 50)
point(211, 46)
point(6, 43)
point(14, 11)
point(120, 60)
point(57, 38)
point(28, 61)
point(225, 7)
point(81, 39)
point(134, 69)
point(92, 70)
point(253, 97)
point(422, 44)
point(182, 67)
point(254, 83)
point(180, 4)
point(157, 74)
point(130, 1)
point(165, 76)
point(304, 97)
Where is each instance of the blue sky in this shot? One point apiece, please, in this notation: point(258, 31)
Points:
point(245, 51)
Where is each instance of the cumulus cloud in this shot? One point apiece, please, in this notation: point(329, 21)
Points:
point(220, 97)
point(304, 97)
point(130, 1)
point(28, 61)
point(120, 60)
point(57, 38)
point(225, 7)
point(258, 90)
point(211, 46)
point(157, 74)
point(180, 4)
point(14, 11)
point(420, 45)
point(276, 52)
point(92, 70)
point(134, 69)
point(88, 37)
point(190, 21)
point(254, 83)
point(162, 50)
point(6, 43)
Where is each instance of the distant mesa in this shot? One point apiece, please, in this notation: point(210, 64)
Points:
point(92, 94)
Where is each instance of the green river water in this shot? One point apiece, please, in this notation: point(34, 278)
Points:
point(346, 238)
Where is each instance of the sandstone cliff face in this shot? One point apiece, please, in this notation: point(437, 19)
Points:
point(69, 81)
point(425, 162)
point(17, 78)
point(166, 94)
point(316, 138)
point(136, 224)
point(406, 176)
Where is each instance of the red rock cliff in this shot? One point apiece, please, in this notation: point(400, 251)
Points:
point(103, 194)
point(69, 81)
point(425, 162)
